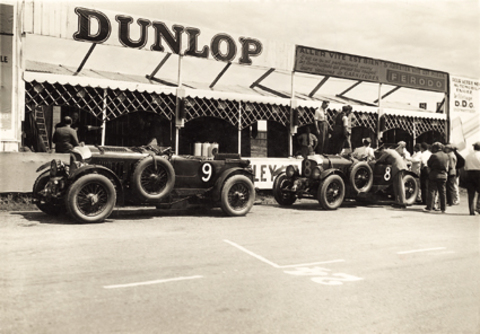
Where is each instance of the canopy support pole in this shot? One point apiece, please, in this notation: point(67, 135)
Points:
point(321, 83)
point(388, 93)
point(257, 82)
point(240, 106)
point(178, 126)
point(380, 114)
point(222, 72)
point(349, 88)
point(104, 117)
point(159, 66)
point(293, 105)
point(84, 60)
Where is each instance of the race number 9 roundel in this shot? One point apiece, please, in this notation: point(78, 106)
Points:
point(207, 172)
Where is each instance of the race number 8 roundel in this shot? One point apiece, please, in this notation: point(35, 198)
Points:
point(308, 168)
point(388, 174)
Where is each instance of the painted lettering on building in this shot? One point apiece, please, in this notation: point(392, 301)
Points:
point(95, 26)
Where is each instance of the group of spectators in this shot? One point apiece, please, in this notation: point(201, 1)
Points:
point(322, 141)
point(438, 165)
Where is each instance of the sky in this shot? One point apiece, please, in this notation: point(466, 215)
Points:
point(435, 34)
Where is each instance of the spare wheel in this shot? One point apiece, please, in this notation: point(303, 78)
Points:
point(153, 178)
point(361, 177)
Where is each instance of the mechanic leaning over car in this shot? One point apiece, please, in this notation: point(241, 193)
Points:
point(399, 166)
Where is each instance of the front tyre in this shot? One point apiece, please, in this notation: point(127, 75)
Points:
point(283, 197)
point(41, 201)
point(411, 189)
point(237, 196)
point(91, 198)
point(331, 192)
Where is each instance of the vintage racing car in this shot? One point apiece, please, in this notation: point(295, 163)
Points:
point(100, 177)
point(331, 179)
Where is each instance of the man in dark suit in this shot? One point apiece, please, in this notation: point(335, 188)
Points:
point(438, 165)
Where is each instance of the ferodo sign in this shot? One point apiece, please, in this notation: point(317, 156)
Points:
point(97, 27)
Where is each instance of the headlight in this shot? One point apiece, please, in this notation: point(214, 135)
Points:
point(291, 171)
point(317, 171)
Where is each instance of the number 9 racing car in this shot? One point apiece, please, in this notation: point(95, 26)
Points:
point(331, 179)
point(100, 177)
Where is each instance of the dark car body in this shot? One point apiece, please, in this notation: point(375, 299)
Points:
point(100, 177)
point(331, 179)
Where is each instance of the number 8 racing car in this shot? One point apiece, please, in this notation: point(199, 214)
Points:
point(331, 179)
point(100, 177)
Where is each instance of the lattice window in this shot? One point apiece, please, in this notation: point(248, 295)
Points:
point(202, 107)
point(252, 112)
point(414, 124)
point(93, 100)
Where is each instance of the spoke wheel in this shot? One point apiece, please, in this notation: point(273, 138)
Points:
point(284, 198)
point(237, 196)
point(411, 189)
point(42, 201)
point(331, 192)
point(91, 198)
point(361, 177)
point(153, 178)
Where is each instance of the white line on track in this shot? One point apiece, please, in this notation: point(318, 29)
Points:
point(422, 250)
point(261, 258)
point(129, 285)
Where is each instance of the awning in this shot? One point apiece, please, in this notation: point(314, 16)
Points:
point(51, 73)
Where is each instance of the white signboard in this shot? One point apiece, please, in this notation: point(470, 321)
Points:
point(264, 169)
point(465, 111)
point(6, 70)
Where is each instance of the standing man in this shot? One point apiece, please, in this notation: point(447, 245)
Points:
point(452, 175)
point(321, 125)
point(308, 143)
point(424, 148)
point(438, 165)
point(64, 137)
point(341, 131)
point(472, 169)
point(399, 166)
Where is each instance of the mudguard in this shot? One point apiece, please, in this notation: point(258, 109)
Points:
point(99, 170)
point(217, 188)
point(331, 171)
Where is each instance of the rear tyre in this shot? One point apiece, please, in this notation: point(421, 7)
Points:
point(91, 198)
point(284, 198)
point(331, 192)
point(237, 196)
point(411, 189)
point(40, 201)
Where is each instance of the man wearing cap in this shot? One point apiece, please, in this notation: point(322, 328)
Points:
point(472, 169)
point(452, 175)
point(399, 166)
point(307, 142)
point(402, 149)
point(321, 125)
point(438, 165)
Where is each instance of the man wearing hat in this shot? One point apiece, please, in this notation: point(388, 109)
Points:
point(438, 164)
point(342, 131)
point(472, 169)
point(321, 125)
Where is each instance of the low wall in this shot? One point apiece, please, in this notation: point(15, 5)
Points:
point(17, 169)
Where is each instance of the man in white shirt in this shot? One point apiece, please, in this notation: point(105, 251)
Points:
point(424, 170)
point(321, 125)
point(364, 152)
point(472, 169)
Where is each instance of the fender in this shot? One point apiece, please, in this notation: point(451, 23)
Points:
point(99, 170)
point(221, 180)
point(279, 171)
point(331, 171)
point(409, 172)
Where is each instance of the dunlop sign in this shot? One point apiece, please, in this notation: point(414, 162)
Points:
point(346, 66)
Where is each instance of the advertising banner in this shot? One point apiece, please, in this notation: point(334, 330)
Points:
point(264, 169)
point(346, 66)
point(464, 111)
point(6, 69)
point(91, 25)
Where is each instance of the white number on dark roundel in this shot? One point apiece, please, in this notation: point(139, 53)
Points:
point(207, 171)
